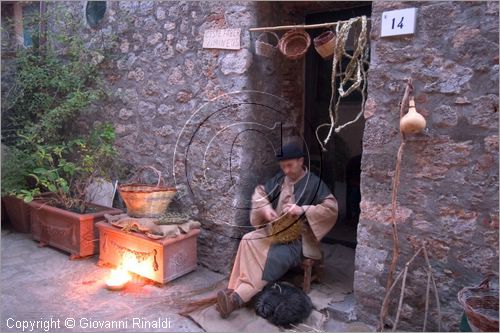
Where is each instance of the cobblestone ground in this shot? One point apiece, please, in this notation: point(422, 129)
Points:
point(42, 285)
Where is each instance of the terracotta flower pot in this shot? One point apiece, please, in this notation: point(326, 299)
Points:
point(18, 213)
point(68, 231)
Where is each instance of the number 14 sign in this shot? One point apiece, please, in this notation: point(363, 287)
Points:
point(398, 22)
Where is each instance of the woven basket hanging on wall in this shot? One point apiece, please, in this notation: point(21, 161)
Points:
point(325, 44)
point(294, 44)
point(266, 49)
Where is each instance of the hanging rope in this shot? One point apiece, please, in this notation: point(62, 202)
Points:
point(355, 72)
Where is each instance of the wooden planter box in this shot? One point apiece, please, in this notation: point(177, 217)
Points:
point(161, 260)
point(18, 213)
point(65, 230)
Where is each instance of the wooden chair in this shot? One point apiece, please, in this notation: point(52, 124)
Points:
point(313, 270)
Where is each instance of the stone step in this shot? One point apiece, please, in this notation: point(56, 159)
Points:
point(333, 325)
point(344, 310)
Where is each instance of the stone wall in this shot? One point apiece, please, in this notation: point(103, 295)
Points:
point(448, 194)
point(208, 119)
point(174, 101)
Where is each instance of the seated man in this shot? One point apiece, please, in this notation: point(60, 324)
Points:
point(258, 261)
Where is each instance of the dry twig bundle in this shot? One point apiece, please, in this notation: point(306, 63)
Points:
point(391, 282)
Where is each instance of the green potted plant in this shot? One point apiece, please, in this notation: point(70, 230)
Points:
point(56, 84)
point(15, 166)
point(66, 218)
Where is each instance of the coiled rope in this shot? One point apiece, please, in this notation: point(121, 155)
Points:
point(355, 72)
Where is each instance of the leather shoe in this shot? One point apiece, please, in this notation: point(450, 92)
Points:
point(227, 302)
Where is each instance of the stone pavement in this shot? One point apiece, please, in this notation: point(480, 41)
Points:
point(42, 283)
point(43, 286)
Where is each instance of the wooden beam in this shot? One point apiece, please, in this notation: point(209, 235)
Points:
point(300, 26)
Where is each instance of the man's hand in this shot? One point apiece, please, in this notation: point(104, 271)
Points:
point(270, 214)
point(293, 209)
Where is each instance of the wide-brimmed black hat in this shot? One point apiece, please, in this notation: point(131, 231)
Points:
point(289, 151)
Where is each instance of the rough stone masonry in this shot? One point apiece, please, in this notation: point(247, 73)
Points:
point(204, 117)
point(448, 195)
point(169, 98)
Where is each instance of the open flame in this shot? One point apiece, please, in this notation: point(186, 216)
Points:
point(128, 263)
point(118, 278)
point(142, 264)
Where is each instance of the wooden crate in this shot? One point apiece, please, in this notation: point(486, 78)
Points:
point(161, 260)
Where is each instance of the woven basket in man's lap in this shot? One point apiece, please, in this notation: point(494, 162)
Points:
point(286, 229)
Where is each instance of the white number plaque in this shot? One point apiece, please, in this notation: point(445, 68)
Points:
point(398, 22)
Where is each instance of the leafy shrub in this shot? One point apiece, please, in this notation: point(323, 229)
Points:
point(55, 83)
point(66, 170)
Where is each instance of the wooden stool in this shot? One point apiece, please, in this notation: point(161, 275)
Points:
point(313, 269)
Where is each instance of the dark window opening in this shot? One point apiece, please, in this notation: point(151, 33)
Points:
point(94, 12)
point(31, 20)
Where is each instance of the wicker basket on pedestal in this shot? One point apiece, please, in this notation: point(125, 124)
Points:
point(143, 200)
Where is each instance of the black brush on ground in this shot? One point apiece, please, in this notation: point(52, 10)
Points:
point(283, 304)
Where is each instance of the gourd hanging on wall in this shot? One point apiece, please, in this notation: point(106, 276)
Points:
point(412, 122)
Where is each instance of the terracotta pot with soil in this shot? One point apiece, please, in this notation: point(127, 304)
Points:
point(66, 230)
point(18, 213)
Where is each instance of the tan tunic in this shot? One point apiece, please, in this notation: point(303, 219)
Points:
point(246, 276)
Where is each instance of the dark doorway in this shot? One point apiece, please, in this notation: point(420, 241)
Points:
point(339, 167)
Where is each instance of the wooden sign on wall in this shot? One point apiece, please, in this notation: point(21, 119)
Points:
point(228, 39)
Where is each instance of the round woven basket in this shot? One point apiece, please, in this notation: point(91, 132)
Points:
point(286, 229)
point(266, 49)
point(481, 306)
point(143, 200)
point(325, 44)
point(294, 44)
